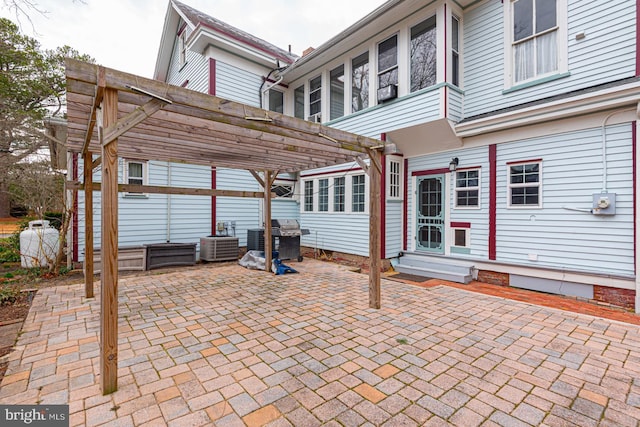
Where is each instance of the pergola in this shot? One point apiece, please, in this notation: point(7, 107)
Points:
point(112, 114)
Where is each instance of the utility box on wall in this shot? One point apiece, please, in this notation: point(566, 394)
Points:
point(604, 204)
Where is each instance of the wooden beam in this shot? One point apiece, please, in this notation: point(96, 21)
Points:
point(362, 164)
point(88, 225)
point(374, 230)
point(97, 100)
point(97, 162)
point(109, 253)
point(131, 120)
point(185, 191)
point(267, 221)
point(258, 178)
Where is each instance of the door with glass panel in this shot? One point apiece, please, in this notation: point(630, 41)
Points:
point(430, 214)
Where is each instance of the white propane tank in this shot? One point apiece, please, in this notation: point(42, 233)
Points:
point(38, 244)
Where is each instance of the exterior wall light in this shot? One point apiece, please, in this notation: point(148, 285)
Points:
point(453, 164)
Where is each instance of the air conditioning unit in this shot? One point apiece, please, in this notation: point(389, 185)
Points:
point(216, 248)
point(387, 93)
point(315, 118)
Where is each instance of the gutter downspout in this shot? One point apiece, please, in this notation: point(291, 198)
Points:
point(263, 89)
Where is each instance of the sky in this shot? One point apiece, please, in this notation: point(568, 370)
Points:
point(125, 34)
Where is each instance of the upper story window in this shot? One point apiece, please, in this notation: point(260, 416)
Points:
point(467, 188)
point(455, 50)
point(298, 102)
point(525, 184)
point(535, 38)
point(388, 62)
point(336, 94)
point(423, 53)
point(182, 45)
point(315, 98)
point(360, 82)
point(276, 101)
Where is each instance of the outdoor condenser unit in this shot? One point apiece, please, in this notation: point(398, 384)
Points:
point(216, 248)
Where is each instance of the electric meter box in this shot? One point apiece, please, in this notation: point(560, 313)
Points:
point(604, 204)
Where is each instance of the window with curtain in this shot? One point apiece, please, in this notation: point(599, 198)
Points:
point(360, 82)
point(535, 38)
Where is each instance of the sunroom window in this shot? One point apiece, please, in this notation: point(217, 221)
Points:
point(336, 94)
point(315, 98)
point(276, 101)
point(298, 102)
point(423, 53)
point(388, 62)
point(360, 82)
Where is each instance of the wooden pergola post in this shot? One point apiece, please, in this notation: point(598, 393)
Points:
point(374, 171)
point(87, 160)
point(109, 253)
point(268, 180)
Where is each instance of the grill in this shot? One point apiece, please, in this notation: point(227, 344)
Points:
point(288, 233)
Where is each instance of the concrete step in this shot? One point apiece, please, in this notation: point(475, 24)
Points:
point(437, 268)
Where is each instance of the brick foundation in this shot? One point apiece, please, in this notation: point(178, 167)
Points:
point(620, 297)
point(493, 277)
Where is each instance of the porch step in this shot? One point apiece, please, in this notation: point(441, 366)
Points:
point(436, 268)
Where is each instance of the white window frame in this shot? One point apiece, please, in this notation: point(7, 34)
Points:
point(323, 195)
point(364, 193)
point(344, 194)
point(305, 195)
point(318, 101)
point(348, 193)
point(561, 23)
point(126, 177)
point(457, 189)
point(511, 186)
point(395, 189)
point(467, 237)
point(396, 66)
point(182, 46)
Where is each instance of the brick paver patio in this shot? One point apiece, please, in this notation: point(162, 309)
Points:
point(228, 346)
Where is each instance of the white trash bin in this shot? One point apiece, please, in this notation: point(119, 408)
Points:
point(38, 244)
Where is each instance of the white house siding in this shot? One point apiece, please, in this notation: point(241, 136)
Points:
point(348, 233)
point(455, 105)
point(571, 174)
point(282, 208)
point(606, 54)
point(393, 227)
point(478, 218)
point(408, 111)
point(195, 71)
point(236, 84)
point(244, 211)
point(143, 219)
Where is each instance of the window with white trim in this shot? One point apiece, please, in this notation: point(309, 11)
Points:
point(525, 180)
point(182, 46)
point(357, 193)
point(467, 188)
point(276, 101)
point(298, 102)
point(360, 82)
point(388, 62)
point(315, 99)
point(135, 173)
point(455, 50)
point(323, 195)
point(537, 37)
point(336, 92)
point(308, 196)
point(423, 53)
point(394, 178)
point(338, 194)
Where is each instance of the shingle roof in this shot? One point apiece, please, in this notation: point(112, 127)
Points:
point(199, 18)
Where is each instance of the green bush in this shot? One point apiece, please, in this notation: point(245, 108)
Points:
point(8, 295)
point(54, 218)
